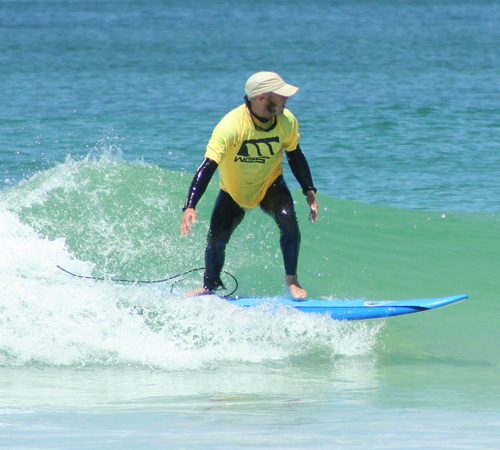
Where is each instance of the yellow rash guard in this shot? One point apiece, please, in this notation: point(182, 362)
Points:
point(249, 156)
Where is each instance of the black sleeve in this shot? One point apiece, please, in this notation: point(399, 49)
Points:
point(300, 169)
point(200, 182)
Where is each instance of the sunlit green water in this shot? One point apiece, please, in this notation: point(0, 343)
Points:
point(107, 217)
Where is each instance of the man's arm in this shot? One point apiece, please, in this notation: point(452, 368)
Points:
point(198, 186)
point(300, 169)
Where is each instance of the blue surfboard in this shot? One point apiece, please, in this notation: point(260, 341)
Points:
point(354, 309)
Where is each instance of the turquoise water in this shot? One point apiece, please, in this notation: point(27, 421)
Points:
point(106, 109)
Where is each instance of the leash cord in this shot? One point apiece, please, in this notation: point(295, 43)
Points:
point(115, 280)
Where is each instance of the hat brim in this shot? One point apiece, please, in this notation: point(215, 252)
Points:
point(287, 90)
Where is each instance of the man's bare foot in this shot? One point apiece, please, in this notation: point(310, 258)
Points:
point(198, 291)
point(294, 287)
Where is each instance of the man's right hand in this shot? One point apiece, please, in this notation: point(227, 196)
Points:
point(188, 217)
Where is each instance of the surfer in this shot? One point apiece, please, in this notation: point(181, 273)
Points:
point(246, 146)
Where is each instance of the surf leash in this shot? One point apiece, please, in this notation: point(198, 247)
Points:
point(187, 272)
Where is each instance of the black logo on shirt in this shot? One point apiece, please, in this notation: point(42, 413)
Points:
point(256, 150)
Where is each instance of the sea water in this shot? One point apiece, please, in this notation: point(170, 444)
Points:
point(106, 110)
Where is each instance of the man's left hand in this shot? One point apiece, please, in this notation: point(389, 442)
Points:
point(313, 204)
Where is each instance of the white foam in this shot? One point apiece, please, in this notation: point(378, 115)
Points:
point(48, 317)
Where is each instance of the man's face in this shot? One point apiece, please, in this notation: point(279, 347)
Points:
point(275, 104)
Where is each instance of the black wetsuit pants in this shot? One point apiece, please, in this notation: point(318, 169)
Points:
point(227, 215)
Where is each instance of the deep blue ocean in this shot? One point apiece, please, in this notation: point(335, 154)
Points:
point(106, 108)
